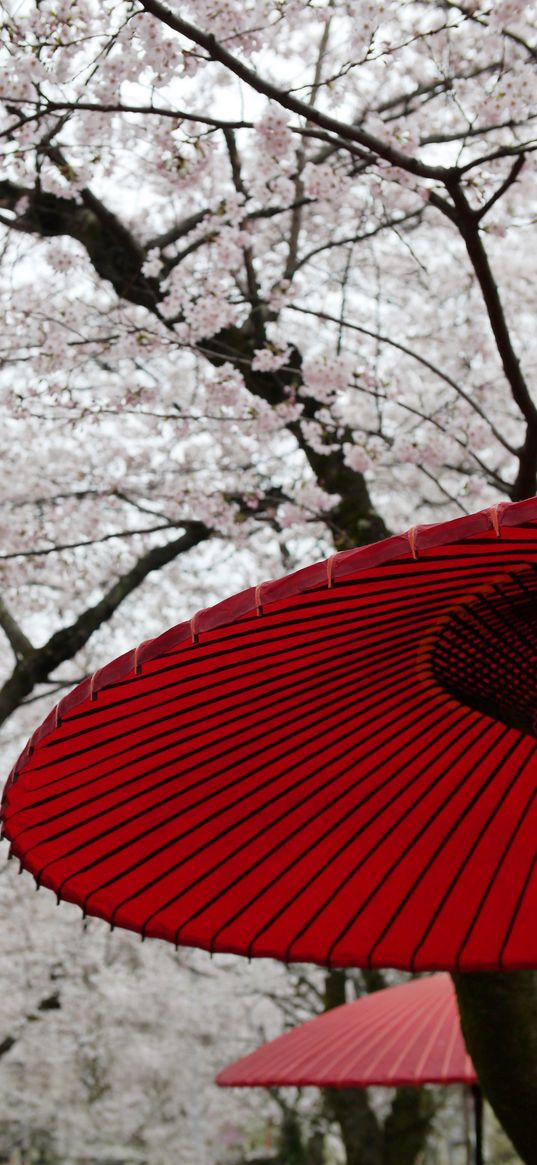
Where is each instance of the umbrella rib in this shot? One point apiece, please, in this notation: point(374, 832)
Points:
point(416, 837)
point(475, 843)
point(421, 1027)
point(374, 1038)
point(324, 665)
point(251, 815)
point(353, 626)
point(419, 702)
point(453, 828)
point(63, 757)
point(354, 653)
point(242, 642)
point(350, 841)
point(456, 1035)
point(419, 572)
point(437, 1021)
point(99, 726)
point(357, 866)
point(298, 693)
point(291, 864)
point(194, 785)
point(246, 635)
point(519, 901)
point(522, 815)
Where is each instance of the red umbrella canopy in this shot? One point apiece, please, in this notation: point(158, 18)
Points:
point(336, 767)
point(403, 1035)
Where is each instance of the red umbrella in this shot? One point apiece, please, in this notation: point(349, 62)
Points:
point(402, 1035)
point(338, 766)
point(405, 1035)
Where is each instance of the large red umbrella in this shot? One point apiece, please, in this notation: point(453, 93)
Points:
point(405, 1035)
point(338, 766)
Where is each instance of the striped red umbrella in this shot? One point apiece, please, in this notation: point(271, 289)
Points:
point(337, 767)
point(402, 1035)
point(405, 1035)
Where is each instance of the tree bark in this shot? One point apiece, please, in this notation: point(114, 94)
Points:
point(499, 1022)
point(404, 1133)
point(407, 1126)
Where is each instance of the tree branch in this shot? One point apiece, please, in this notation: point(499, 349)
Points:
point(20, 644)
point(36, 667)
point(509, 181)
point(383, 339)
point(41, 551)
point(48, 106)
point(468, 224)
point(114, 252)
point(346, 132)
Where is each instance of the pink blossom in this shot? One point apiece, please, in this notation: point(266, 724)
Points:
point(274, 133)
point(327, 375)
point(269, 359)
point(356, 458)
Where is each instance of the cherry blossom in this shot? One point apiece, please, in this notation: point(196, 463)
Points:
point(219, 306)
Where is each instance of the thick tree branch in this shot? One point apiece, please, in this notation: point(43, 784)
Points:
point(352, 518)
point(20, 644)
point(114, 252)
point(468, 224)
point(36, 667)
point(177, 231)
point(117, 257)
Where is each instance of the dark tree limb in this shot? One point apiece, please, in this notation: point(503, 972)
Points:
point(18, 641)
point(504, 187)
point(117, 257)
point(36, 667)
point(6, 1045)
point(352, 519)
point(468, 224)
point(467, 220)
point(114, 252)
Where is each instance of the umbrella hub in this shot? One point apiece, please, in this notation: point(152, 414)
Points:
point(485, 651)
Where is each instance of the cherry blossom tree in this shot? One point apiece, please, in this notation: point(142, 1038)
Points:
point(266, 273)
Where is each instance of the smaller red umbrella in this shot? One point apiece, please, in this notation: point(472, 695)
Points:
point(405, 1035)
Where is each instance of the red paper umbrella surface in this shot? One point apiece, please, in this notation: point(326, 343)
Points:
point(338, 766)
point(403, 1035)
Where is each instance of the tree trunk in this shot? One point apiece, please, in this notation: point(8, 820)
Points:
point(404, 1133)
point(499, 1021)
point(407, 1126)
point(360, 1131)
